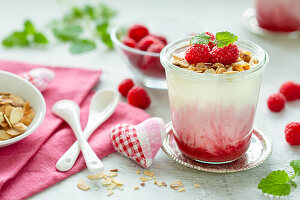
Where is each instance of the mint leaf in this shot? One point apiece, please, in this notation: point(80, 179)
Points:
point(81, 46)
point(40, 38)
point(225, 38)
point(102, 29)
point(89, 11)
point(293, 184)
point(200, 39)
point(16, 39)
point(67, 33)
point(106, 12)
point(28, 27)
point(295, 164)
point(276, 183)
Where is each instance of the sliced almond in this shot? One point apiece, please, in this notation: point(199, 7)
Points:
point(149, 173)
point(160, 184)
point(1, 117)
point(7, 110)
point(100, 175)
point(92, 177)
point(107, 181)
point(29, 113)
point(83, 185)
point(112, 174)
point(143, 179)
point(119, 183)
point(136, 187)
point(182, 190)
point(110, 192)
point(137, 172)
point(5, 101)
point(196, 185)
point(14, 132)
point(176, 184)
point(16, 100)
point(20, 127)
point(238, 68)
point(26, 106)
point(112, 186)
point(8, 122)
point(4, 135)
point(16, 115)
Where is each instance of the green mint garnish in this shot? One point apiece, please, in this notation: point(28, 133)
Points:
point(81, 46)
point(222, 39)
point(225, 38)
point(279, 183)
point(27, 37)
point(79, 21)
point(201, 38)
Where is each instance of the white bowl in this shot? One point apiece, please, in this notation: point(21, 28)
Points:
point(12, 83)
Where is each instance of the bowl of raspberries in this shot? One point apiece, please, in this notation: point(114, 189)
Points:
point(141, 49)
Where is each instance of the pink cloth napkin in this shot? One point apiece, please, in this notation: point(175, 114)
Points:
point(28, 166)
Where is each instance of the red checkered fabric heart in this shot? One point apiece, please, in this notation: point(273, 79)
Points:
point(125, 140)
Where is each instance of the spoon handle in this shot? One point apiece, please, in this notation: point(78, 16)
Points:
point(68, 159)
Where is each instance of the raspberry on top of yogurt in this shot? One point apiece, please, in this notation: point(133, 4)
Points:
point(215, 54)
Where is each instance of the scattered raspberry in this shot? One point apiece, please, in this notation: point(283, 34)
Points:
point(292, 133)
point(138, 97)
point(137, 32)
point(198, 53)
point(144, 43)
point(276, 102)
point(125, 86)
point(129, 42)
point(161, 38)
point(290, 90)
point(225, 55)
point(151, 62)
point(212, 38)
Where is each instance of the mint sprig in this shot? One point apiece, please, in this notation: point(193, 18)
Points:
point(222, 39)
point(225, 38)
point(29, 36)
point(201, 38)
point(279, 183)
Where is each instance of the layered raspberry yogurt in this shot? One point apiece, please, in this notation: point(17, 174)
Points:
point(213, 113)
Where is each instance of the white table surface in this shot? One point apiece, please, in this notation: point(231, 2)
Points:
point(217, 15)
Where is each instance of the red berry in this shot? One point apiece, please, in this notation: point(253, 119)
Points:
point(276, 102)
point(138, 97)
point(144, 43)
point(129, 42)
point(292, 133)
point(212, 38)
point(225, 55)
point(137, 32)
point(290, 90)
point(161, 38)
point(125, 86)
point(156, 47)
point(198, 53)
point(152, 63)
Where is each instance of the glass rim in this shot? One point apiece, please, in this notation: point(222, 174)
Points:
point(182, 42)
point(118, 43)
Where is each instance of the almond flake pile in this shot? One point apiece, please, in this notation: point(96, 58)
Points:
point(15, 115)
point(245, 62)
point(111, 183)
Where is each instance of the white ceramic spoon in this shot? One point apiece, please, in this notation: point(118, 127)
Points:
point(102, 106)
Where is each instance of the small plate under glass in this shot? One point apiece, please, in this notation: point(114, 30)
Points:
point(250, 22)
point(259, 150)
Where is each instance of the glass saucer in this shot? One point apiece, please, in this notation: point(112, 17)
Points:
point(250, 22)
point(259, 151)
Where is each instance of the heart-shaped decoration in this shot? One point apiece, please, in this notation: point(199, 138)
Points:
point(39, 77)
point(141, 142)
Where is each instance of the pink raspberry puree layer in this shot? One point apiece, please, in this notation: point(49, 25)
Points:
point(213, 134)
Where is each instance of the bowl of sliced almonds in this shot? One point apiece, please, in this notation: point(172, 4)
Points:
point(22, 108)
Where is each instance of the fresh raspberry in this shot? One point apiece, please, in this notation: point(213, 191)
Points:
point(129, 42)
point(292, 133)
point(156, 47)
point(198, 53)
point(137, 32)
point(144, 43)
point(225, 55)
point(125, 86)
point(163, 39)
point(212, 38)
point(276, 102)
point(290, 90)
point(138, 97)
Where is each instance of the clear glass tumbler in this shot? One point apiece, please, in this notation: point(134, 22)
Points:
point(213, 114)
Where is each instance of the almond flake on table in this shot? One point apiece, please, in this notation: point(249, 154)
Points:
point(83, 185)
point(136, 187)
point(138, 172)
point(182, 190)
point(149, 173)
point(143, 179)
point(112, 174)
point(196, 185)
point(100, 175)
point(110, 192)
point(162, 184)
